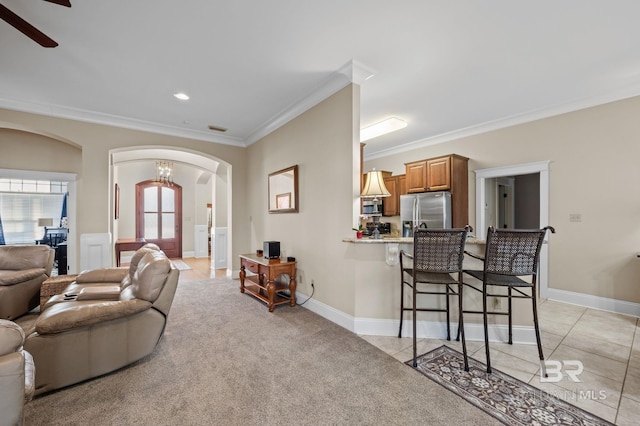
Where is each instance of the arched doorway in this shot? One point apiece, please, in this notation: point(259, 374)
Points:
point(203, 178)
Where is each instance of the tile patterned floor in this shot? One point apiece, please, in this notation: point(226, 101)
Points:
point(607, 344)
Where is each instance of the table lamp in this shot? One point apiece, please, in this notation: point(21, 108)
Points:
point(374, 188)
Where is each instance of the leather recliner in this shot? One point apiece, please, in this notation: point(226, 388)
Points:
point(23, 269)
point(74, 340)
point(103, 283)
point(16, 374)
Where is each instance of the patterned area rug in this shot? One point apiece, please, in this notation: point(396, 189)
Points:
point(181, 265)
point(507, 399)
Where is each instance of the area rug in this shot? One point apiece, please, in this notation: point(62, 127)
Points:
point(181, 265)
point(509, 400)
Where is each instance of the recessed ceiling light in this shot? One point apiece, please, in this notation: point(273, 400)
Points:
point(389, 125)
point(181, 96)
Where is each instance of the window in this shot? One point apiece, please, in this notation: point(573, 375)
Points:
point(23, 202)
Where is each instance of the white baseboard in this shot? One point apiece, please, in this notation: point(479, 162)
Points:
point(332, 314)
point(595, 302)
point(474, 331)
point(425, 329)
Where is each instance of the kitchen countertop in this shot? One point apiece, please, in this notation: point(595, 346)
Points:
point(395, 239)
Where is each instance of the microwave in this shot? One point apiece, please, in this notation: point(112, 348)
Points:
point(368, 207)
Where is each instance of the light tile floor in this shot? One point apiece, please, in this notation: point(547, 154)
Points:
point(607, 344)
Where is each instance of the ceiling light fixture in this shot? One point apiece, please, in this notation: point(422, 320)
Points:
point(181, 96)
point(217, 128)
point(389, 125)
point(164, 172)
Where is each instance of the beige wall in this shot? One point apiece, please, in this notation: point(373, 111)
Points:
point(594, 171)
point(90, 160)
point(321, 142)
point(22, 150)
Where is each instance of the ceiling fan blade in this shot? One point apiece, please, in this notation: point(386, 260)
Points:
point(61, 2)
point(26, 28)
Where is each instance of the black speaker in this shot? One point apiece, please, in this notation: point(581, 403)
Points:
point(271, 249)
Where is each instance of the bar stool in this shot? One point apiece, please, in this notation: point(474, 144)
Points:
point(437, 253)
point(510, 255)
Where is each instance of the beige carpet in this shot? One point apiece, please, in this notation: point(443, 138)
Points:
point(225, 360)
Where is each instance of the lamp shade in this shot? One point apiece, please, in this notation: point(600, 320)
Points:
point(374, 185)
point(45, 221)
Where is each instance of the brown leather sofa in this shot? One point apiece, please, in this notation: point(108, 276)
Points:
point(81, 335)
point(22, 271)
point(17, 374)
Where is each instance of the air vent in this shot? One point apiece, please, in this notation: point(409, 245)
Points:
point(217, 128)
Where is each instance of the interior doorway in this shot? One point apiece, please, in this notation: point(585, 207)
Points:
point(535, 212)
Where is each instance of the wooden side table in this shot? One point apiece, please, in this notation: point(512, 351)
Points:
point(128, 244)
point(265, 284)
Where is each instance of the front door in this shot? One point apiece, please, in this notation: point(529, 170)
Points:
point(159, 215)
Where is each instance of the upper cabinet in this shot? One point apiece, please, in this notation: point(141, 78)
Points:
point(397, 187)
point(416, 176)
point(446, 173)
point(439, 174)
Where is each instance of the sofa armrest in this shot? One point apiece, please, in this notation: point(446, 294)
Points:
point(102, 292)
point(12, 277)
point(70, 315)
point(104, 275)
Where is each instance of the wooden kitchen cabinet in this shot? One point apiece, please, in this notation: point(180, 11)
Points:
point(416, 176)
point(396, 186)
point(439, 174)
point(446, 173)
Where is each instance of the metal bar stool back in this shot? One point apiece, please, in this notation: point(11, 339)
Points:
point(511, 256)
point(437, 254)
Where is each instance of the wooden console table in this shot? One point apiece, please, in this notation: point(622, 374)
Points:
point(128, 244)
point(265, 284)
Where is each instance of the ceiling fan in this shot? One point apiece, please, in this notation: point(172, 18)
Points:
point(26, 28)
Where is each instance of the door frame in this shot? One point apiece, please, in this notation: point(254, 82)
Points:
point(177, 207)
point(541, 167)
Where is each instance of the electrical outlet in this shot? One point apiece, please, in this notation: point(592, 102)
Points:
point(575, 217)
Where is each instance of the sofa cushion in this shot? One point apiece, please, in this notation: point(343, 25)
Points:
point(149, 278)
point(11, 277)
point(135, 260)
point(24, 257)
point(69, 315)
point(103, 275)
point(11, 337)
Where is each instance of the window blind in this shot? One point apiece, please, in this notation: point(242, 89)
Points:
point(20, 213)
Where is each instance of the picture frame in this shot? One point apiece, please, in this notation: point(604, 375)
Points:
point(282, 191)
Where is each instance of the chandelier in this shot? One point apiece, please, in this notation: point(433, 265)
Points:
point(164, 172)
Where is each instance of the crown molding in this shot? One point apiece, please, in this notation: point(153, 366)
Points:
point(539, 114)
point(116, 121)
point(351, 72)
